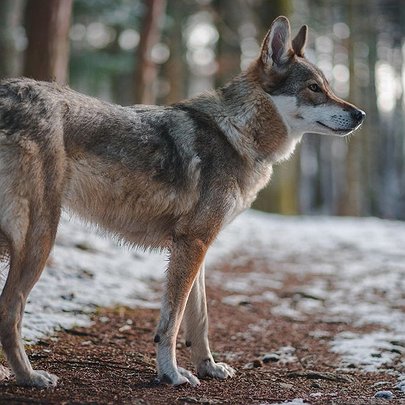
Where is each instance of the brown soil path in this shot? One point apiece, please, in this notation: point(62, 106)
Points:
point(277, 360)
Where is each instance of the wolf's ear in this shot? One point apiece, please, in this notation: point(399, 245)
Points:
point(300, 40)
point(276, 46)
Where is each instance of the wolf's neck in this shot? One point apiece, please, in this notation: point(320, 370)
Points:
point(252, 122)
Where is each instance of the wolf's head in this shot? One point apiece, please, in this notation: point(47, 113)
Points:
point(299, 89)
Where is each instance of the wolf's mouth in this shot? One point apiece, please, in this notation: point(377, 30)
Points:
point(340, 131)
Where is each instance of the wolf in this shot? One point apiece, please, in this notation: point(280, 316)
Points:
point(159, 177)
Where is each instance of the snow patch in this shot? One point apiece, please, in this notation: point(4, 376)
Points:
point(369, 351)
point(364, 260)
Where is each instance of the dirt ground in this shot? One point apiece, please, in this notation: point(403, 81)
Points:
point(277, 360)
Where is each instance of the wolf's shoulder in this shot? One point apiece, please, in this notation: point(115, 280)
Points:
point(23, 89)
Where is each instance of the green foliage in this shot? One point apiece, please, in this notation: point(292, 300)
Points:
point(119, 13)
point(99, 66)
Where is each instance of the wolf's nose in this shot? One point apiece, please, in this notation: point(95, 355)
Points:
point(358, 115)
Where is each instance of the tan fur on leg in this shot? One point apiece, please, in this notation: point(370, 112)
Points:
point(23, 274)
point(185, 261)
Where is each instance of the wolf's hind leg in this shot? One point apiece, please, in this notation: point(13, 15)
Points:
point(31, 179)
point(26, 264)
point(196, 329)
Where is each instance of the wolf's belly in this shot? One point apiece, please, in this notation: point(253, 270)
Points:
point(130, 205)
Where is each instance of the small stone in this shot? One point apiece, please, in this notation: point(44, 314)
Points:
point(315, 385)
point(401, 386)
point(286, 386)
point(384, 395)
point(124, 328)
point(271, 357)
point(257, 363)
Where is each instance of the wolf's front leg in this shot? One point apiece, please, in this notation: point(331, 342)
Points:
point(185, 260)
point(196, 327)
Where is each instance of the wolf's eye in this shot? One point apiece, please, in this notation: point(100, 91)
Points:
point(314, 87)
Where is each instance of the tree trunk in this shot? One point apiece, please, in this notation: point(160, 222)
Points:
point(351, 204)
point(146, 71)
point(231, 14)
point(175, 68)
point(47, 55)
point(10, 15)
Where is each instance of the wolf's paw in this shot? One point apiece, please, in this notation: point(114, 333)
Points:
point(4, 373)
point(191, 378)
point(38, 379)
point(178, 377)
point(208, 368)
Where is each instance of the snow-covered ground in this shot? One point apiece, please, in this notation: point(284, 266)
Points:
point(365, 259)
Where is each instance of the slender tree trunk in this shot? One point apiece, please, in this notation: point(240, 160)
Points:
point(175, 71)
point(231, 14)
point(10, 16)
point(47, 55)
point(146, 70)
point(351, 204)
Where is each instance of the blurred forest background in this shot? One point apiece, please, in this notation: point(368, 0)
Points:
point(160, 51)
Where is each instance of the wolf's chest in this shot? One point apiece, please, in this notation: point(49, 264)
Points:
point(244, 196)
